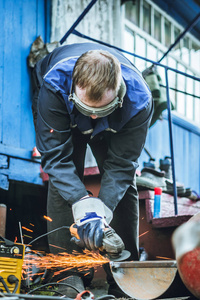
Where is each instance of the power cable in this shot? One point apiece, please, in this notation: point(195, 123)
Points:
point(45, 234)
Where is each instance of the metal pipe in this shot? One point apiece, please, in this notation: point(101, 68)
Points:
point(144, 264)
point(171, 143)
point(3, 210)
point(75, 32)
point(78, 21)
point(180, 91)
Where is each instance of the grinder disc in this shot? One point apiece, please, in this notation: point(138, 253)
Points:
point(120, 256)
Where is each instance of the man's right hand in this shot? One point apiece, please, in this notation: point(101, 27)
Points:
point(90, 216)
point(89, 235)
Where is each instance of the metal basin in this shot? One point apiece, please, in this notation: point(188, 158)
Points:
point(144, 279)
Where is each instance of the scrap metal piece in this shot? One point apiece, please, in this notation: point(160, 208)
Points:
point(144, 279)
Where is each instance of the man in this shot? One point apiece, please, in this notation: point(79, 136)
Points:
point(91, 94)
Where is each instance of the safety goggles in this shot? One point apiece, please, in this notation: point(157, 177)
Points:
point(100, 112)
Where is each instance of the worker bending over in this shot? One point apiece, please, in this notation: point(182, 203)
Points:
point(88, 94)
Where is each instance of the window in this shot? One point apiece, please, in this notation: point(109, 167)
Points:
point(129, 43)
point(149, 33)
point(146, 17)
point(167, 33)
point(132, 12)
point(157, 26)
point(140, 47)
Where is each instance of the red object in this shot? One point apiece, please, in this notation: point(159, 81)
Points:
point(43, 175)
point(189, 269)
point(86, 295)
point(91, 171)
point(36, 153)
point(157, 191)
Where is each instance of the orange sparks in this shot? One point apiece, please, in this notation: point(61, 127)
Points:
point(57, 247)
point(143, 233)
point(62, 262)
point(47, 218)
point(164, 257)
point(27, 229)
point(30, 237)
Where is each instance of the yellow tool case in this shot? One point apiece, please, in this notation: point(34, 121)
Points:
point(11, 261)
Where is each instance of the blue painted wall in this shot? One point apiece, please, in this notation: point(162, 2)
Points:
point(20, 23)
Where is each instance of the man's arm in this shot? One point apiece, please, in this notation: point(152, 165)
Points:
point(54, 142)
point(124, 149)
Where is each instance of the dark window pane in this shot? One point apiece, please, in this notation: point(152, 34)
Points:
point(167, 33)
point(146, 18)
point(157, 26)
point(132, 12)
point(176, 34)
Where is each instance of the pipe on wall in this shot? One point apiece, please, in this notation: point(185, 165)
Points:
point(3, 211)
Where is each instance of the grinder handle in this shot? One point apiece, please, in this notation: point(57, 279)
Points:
point(74, 231)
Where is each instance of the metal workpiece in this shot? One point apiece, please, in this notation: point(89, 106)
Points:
point(144, 279)
point(144, 264)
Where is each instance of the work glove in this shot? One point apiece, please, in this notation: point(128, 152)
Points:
point(91, 218)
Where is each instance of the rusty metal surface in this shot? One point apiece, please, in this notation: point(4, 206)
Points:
point(3, 210)
point(144, 280)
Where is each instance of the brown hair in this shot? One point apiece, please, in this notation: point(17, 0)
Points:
point(97, 71)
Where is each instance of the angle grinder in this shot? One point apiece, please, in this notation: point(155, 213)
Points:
point(112, 245)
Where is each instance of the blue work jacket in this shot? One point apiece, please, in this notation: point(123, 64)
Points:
point(57, 116)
